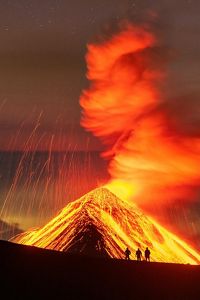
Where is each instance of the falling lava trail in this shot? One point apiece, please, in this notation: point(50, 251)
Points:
point(101, 224)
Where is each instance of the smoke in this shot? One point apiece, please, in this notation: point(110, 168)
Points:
point(125, 108)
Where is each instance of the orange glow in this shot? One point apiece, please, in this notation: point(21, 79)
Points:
point(148, 161)
point(123, 107)
point(121, 189)
point(119, 225)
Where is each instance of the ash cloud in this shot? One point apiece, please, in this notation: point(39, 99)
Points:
point(128, 85)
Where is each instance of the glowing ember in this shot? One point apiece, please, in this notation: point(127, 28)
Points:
point(123, 107)
point(115, 223)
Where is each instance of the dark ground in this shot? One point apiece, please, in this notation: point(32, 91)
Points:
point(32, 273)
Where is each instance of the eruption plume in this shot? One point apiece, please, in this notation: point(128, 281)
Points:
point(123, 107)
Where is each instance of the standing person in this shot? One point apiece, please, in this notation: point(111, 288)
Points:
point(138, 254)
point(147, 254)
point(127, 254)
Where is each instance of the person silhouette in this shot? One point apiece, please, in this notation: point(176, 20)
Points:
point(138, 254)
point(127, 253)
point(147, 254)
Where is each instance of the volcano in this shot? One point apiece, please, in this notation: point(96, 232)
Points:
point(101, 224)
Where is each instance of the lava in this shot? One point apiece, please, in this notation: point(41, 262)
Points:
point(100, 222)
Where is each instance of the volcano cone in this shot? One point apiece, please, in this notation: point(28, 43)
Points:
point(101, 224)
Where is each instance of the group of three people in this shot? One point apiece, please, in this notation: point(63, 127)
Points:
point(138, 254)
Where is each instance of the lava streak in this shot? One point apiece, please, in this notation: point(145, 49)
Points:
point(101, 224)
point(123, 107)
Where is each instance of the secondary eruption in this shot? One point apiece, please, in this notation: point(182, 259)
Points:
point(122, 108)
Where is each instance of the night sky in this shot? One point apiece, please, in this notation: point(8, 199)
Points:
point(42, 63)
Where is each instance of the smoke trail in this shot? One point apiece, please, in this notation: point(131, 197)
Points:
point(123, 107)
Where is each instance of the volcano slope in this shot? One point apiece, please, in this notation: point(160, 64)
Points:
point(28, 272)
point(100, 224)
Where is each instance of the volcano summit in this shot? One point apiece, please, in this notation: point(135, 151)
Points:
point(101, 224)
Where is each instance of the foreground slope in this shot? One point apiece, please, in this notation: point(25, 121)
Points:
point(101, 224)
point(29, 272)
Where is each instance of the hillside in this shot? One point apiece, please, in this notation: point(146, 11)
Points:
point(29, 272)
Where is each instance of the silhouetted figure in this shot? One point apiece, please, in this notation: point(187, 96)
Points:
point(138, 254)
point(147, 254)
point(127, 253)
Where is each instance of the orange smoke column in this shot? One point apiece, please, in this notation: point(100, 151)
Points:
point(123, 108)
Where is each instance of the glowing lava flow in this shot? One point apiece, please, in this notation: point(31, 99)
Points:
point(108, 225)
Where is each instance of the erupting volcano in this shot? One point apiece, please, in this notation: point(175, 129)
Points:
point(148, 160)
point(101, 224)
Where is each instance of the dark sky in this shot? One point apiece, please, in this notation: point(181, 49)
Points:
point(42, 63)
